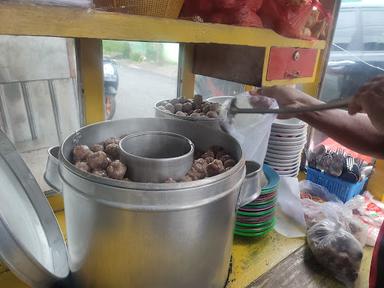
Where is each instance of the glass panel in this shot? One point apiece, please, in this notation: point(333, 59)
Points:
point(39, 105)
point(346, 34)
point(373, 29)
point(210, 87)
point(358, 49)
point(357, 55)
point(137, 75)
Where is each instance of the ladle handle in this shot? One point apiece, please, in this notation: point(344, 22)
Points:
point(327, 106)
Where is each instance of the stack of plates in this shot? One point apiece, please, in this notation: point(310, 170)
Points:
point(286, 143)
point(257, 218)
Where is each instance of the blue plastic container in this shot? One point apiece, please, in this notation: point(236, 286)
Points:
point(342, 189)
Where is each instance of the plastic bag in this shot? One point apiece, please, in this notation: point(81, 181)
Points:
point(336, 249)
point(295, 18)
point(370, 212)
point(250, 130)
point(338, 213)
point(232, 12)
point(316, 192)
point(333, 210)
point(289, 214)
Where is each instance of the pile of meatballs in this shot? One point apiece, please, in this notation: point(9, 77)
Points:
point(196, 108)
point(103, 160)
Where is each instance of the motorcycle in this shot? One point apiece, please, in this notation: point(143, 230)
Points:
point(111, 84)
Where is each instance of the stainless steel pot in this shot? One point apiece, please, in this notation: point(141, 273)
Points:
point(147, 159)
point(127, 234)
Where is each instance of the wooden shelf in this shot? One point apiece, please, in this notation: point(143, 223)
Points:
point(36, 20)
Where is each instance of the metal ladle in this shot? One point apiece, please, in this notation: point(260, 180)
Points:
point(229, 108)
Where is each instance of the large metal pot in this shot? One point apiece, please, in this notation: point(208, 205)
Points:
point(127, 234)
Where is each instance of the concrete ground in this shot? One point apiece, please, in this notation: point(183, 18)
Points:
point(141, 86)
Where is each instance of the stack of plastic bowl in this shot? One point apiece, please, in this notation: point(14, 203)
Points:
point(257, 218)
point(286, 143)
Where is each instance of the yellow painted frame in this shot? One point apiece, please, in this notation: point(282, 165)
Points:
point(16, 19)
point(90, 59)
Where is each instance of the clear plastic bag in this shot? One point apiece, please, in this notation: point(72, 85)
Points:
point(318, 191)
point(338, 213)
point(333, 210)
point(252, 130)
point(336, 249)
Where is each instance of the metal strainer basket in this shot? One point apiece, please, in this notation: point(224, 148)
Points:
point(157, 8)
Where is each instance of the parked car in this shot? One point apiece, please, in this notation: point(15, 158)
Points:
point(357, 53)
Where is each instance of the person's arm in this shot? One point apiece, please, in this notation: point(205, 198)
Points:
point(355, 132)
point(370, 99)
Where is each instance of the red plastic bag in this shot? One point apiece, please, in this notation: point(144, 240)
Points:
point(295, 18)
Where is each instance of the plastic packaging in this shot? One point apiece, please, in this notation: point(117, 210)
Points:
point(79, 3)
point(315, 192)
point(290, 213)
point(334, 211)
point(336, 249)
point(252, 130)
point(233, 12)
point(295, 18)
point(370, 212)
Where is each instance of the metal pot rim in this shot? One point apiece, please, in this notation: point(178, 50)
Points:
point(146, 186)
point(191, 145)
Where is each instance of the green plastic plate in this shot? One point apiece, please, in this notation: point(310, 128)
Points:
point(253, 235)
point(256, 214)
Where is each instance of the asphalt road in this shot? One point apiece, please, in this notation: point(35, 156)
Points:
point(140, 88)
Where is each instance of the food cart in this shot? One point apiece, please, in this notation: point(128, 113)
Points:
point(271, 261)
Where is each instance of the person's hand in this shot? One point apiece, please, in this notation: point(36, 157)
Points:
point(286, 97)
point(370, 99)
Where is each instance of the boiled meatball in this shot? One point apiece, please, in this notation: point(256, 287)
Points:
point(195, 115)
point(81, 152)
point(170, 180)
point(225, 157)
point(82, 166)
point(112, 140)
point(170, 108)
point(180, 113)
point(100, 173)
point(200, 166)
point(206, 108)
point(209, 159)
point(113, 151)
point(175, 101)
point(212, 114)
point(186, 178)
point(229, 163)
point(97, 147)
point(116, 170)
point(98, 161)
point(209, 153)
point(216, 167)
point(187, 107)
point(178, 107)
